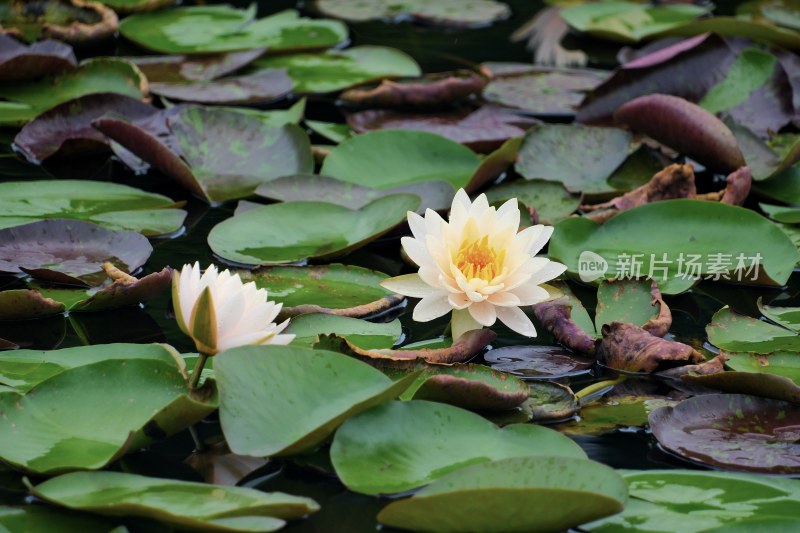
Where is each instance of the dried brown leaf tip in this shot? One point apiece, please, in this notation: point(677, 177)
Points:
point(659, 325)
point(714, 366)
point(633, 349)
point(433, 90)
point(555, 316)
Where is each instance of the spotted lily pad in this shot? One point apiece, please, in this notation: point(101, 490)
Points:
point(628, 301)
point(182, 504)
point(73, 21)
point(307, 394)
point(20, 62)
point(734, 332)
point(538, 362)
point(339, 69)
point(69, 251)
point(23, 100)
point(222, 28)
point(337, 289)
point(309, 327)
point(400, 446)
point(550, 201)
point(732, 431)
point(526, 493)
point(307, 229)
point(441, 13)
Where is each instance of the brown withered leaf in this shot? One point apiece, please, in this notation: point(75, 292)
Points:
point(738, 186)
point(126, 290)
point(555, 317)
point(631, 348)
point(462, 349)
point(7, 345)
point(71, 21)
point(432, 90)
point(358, 311)
point(22, 304)
point(714, 366)
point(658, 325)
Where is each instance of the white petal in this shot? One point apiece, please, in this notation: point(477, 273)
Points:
point(530, 294)
point(538, 244)
point(483, 312)
point(479, 206)
point(459, 300)
point(417, 252)
point(409, 285)
point(431, 307)
point(504, 299)
point(417, 225)
point(549, 271)
point(516, 320)
point(461, 198)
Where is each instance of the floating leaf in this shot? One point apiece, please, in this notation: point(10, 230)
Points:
point(609, 415)
point(628, 301)
point(25, 100)
point(69, 251)
point(785, 364)
point(41, 518)
point(633, 349)
point(195, 68)
point(734, 332)
point(788, 317)
point(307, 230)
point(179, 503)
point(537, 362)
point(278, 400)
point(430, 91)
point(385, 159)
point(134, 6)
point(73, 21)
point(576, 334)
point(732, 431)
point(551, 201)
point(550, 402)
point(765, 162)
point(400, 446)
point(442, 13)
point(339, 69)
point(23, 304)
point(308, 328)
point(527, 493)
point(580, 157)
point(483, 130)
point(259, 87)
point(20, 62)
point(221, 28)
point(660, 232)
point(754, 383)
point(737, 27)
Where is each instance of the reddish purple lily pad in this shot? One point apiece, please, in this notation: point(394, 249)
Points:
point(8, 345)
point(67, 128)
point(756, 383)
point(70, 251)
point(23, 304)
point(19, 62)
point(260, 87)
point(432, 90)
point(194, 68)
point(538, 362)
point(125, 291)
point(732, 431)
point(483, 130)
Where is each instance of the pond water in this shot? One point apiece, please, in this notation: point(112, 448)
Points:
point(344, 511)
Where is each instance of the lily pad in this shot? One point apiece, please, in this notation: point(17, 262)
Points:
point(625, 301)
point(429, 91)
point(734, 332)
point(779, 213)
point(551, 201)
point(339, 69)
point(606, 416)
point(550, 402)
point(732, 431)
point(195, 68)
point(788, 317)
point(308, 328)
point(278, 400)
point(538, 362)
point(179, 503)
point(400, 446)
point(307, 230)
point(41, 518)
point(336, 288)
point(385, 159)
point(765, 385)
point(582, 158)
point(785, 364)
point(222, 28)
point(71, 430)
point(660, 232)
point(69, 251)
point(19, 62)
point(703, 501)
point(73, 21)
point(483, 130)
point(259, 87)
point(111, 205)
point(134, 6)
point(532, 494)
point(21, 101)
point(23, 304)
point(441, 13)
point(764, 162)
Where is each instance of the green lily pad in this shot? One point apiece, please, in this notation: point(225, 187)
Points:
point(335, 70)
point(182, 504)
point(550, 402)
point(66, 20)
point(783, 187)
point(40, 518)
point(22, 101)
point(385, 159)
point(337, 288)
point(400, 446)
point(538, 362)
point(732, 431)
point(786, 364)
point(551, 200)
point(582, 158)
point(756, 30)
point(625, 301)
point(667, 229)
point(111, 205)
point(332, 131)
point(25, 369)
point(530, 494)
point(788, 317)
point(740, 333)
point(441, 13)
point(221, 28)
point(307, 230)
point(628, 22)
point(59, 424)
point(134, 6)
point(278, 400)
point(307, 329)
point(21, 304)
point(779, 213)
point(607, 416)
point(20, 62)
point(764, 162)
point(703, 502)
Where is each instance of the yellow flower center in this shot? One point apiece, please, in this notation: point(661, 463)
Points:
point(477, 259)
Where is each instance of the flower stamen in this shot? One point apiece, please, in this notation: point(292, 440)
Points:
point(477, 259)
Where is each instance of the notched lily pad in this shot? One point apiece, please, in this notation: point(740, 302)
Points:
point(732, 431)
point(20, 62)
point(432, 90)
point(538, 362)
point(69, 251)
point(72, 21)
point(549, 201)
point(22, 304)
point(451, 13)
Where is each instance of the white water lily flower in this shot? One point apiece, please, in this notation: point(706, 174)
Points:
point(220, 312)
point(478, 265)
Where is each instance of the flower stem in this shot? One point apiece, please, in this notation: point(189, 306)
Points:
point(198, 369)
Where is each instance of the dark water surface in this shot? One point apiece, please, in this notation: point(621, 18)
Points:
point(342, 511)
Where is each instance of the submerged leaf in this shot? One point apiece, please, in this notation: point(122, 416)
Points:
point(537, 362)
